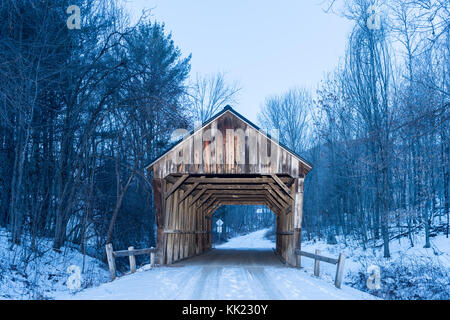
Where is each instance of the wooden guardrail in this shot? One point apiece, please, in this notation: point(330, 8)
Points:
point(317, 258)
point(130, 253)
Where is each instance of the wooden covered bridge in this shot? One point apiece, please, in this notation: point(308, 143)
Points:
point(227, 161)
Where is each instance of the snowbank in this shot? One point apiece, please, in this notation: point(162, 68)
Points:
point(43, 274)
point(410, 273)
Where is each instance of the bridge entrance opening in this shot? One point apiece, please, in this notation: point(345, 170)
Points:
point(240, 221)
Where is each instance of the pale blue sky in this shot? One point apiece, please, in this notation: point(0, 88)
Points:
point(266, 46)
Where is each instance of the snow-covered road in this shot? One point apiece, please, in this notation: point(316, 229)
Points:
point(245, 268)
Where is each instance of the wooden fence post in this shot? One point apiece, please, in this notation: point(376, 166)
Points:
point(317, 265)
point(111, 260)
point(340, 271)
point(132, 260)
point(152, 259)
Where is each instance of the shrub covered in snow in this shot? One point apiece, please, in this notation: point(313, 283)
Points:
point(411, 273)
point(42, 273)
point(407, 278)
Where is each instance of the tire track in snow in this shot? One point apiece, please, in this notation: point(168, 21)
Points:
point(203, 287)
point(188, 282)
point(270, 290)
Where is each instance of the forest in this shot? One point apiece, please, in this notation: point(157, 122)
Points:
point(377, 129)
point(83, 111)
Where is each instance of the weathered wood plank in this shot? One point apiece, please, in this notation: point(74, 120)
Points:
point(135, 252)
point(132, 259)
point(184, 231)
point(173, 207)
point(280, 204)
point(298, 203)
point(160, 212)
point(232, 186)
point(208, 204)
point(176, 225)
point(197, 196)
point(317, 264)
point(279, 193)
point(244, 202)
point(297, 246)
point(318, 257)
point(339, 271)
point(286, 233)
point(203, 200)
point(111, 261)
point(282, 185)
point(176, 185)
point(223, 180)
point(188, 192)
point(152, 259)
point(238, 191)
point(172, 179)
point(215, 205)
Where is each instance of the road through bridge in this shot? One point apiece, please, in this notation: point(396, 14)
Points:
point(246, 268)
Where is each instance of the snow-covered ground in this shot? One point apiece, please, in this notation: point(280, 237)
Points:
point(254, 240)
point(26, 275)
point(410, 273)
point(244, 268)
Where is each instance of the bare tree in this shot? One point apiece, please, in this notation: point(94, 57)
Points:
point(210, 93)
point(67, 162)
point(290, 114)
